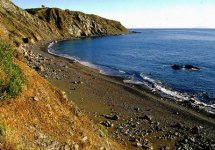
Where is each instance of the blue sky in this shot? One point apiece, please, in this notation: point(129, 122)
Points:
point(141, 13)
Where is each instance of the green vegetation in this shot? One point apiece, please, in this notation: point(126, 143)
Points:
point(11, 76)
point(2, 129)
point(102, 130)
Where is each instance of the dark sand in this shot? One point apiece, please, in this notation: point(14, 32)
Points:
point(166, 124)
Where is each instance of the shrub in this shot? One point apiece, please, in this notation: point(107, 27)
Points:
point(12, 83)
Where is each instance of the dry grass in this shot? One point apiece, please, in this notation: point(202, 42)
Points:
point(2, 73)
point(43, 118)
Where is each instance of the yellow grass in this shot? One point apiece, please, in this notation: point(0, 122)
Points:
point(50, 118)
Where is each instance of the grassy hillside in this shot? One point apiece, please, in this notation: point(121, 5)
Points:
point(41, 117)
point(33, 113)
point(11, 76)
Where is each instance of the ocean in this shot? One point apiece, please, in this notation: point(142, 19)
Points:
point(146, 59)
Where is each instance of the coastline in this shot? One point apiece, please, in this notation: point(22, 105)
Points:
point(101, 96)
point(144, 82)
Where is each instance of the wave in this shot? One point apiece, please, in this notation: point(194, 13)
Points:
point(133, 82)
point(90, 65)
point(164, 91)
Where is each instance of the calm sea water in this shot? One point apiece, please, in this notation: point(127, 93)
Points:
point(146, 59)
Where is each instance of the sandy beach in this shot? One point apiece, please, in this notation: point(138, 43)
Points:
point(131, 115)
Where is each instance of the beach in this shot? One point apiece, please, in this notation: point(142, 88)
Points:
point(132, 116)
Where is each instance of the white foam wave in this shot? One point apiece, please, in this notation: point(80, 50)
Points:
point(149, 79)
point(51, 44)
point(157, 86)
point(130, 81)
point(121, 71)
point(174, 94)
point(103, 72)
point(90, 65)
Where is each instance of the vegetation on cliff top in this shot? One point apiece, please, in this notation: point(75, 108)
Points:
point(11, 76)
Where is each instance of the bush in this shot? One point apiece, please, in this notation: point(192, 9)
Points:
point(12, 83)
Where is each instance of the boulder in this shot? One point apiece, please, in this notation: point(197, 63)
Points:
point(146, 117)
point(113, 117)
point(187, 67)
point(191, 67)
point(176, 67)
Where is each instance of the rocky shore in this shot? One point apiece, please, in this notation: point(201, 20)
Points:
point(136, 118)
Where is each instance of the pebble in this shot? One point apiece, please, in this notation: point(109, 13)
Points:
point(137, 109)
point(130, 128)
point(138, 144)
point(35, 98)
point(107, 124)
point(76, 147)
point(195, 130)
point(147, 117)
point(84, 140)
point(114, 117)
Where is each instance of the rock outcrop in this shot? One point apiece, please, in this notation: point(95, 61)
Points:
point(74, 23)
point(187, 67)
point(18, 24)
point(32, 25)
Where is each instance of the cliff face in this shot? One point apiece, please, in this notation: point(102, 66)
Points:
point(73, 23)
point(17, 24)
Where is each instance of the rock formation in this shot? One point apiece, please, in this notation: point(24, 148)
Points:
point(187, 67)
point(32, 25)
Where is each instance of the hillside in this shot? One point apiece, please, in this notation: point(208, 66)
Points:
point(76, 24)
point(33, 113)
point(17, 25)
point(41, 117)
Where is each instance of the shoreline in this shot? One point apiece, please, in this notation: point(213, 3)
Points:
point(179, 98)
point(88, 89)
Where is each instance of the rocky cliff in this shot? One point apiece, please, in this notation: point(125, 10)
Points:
point(73, 23)
point(18, 25)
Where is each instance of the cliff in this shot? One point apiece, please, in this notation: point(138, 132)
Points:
point(32, 25)
point(73, 23)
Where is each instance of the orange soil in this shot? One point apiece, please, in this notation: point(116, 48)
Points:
point(41, 117)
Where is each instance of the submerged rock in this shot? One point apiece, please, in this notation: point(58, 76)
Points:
point(176, 67)
point(187, 67)
point(134, 32)
point(191, 67)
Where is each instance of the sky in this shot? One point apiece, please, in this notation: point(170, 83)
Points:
point(140, 13)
